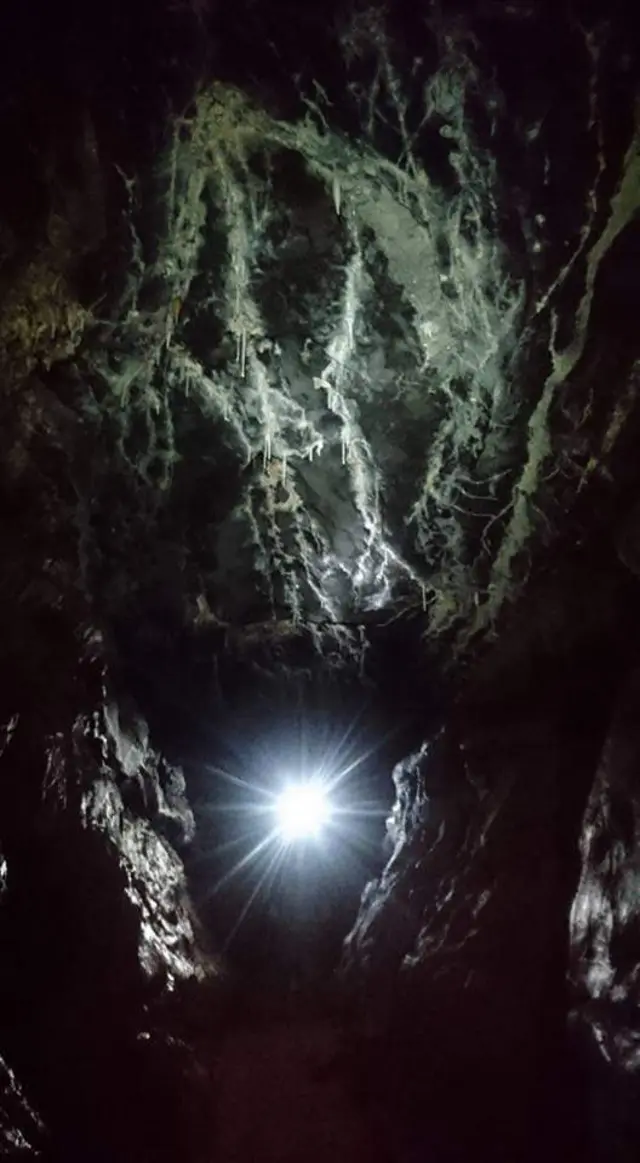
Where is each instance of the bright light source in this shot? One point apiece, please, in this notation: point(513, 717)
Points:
point(302, 809)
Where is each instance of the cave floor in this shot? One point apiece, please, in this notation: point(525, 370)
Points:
point(283, 1098)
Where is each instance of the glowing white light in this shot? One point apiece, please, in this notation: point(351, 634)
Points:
point(302, 810)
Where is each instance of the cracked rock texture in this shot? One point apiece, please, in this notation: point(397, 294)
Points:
point(337, 329)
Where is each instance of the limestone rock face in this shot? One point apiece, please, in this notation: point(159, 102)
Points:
point(329, 329)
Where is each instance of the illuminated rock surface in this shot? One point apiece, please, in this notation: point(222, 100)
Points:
point(319, 365)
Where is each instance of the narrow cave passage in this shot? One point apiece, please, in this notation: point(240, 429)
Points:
point(244, 728)
point(280, 914)
point(319, 582)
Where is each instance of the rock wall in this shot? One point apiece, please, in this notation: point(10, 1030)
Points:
point(99, 947)
point(458, 961)
point(99, 1014)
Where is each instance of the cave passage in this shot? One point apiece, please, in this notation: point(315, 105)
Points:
point(319, 590)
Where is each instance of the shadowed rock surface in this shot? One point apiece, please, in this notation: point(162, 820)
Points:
point(462, 945)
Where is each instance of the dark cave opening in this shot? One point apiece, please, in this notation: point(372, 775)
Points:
point(239, 726)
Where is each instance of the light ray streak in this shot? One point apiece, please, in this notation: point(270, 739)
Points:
point(342, 775)
point(357, 841)
point(361, 813)
point(210, 855)
point(252, 855)
point(249, 806)
point(271, 868)
point(334, 753)
point(237, 781)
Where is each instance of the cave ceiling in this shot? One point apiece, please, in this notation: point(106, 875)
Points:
point(353, 341)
